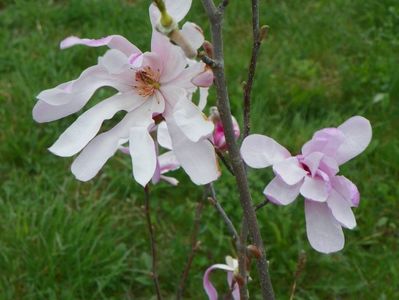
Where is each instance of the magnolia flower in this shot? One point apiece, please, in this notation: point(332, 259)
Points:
point(231, 267)
point(313, 174)
point(151, 84)
point(219, 139)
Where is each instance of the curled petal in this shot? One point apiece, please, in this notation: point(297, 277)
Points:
point(207, 284)
point(324, 232)
point(347, 189)
point(113, 41)
point(357, 131)
point(259, 151)
point(278, 192)
point(204, 79)
point(289, 170)
point(168, 162)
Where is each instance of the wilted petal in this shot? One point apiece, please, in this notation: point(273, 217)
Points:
point(197, 159)
point(207, 284)
point(341, 210)
point(314, 188)
point(278, 192)
point(112, 41)
point(259, 151)
point(347, 189)
point(191, 121)
point(76, 136)
point(357, 131)
point(324, 232)
point(289, 170)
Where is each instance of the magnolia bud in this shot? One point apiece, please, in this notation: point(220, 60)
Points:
point(208, 48)
point(254, 251)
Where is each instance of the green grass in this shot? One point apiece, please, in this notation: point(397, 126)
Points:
point(323, 62)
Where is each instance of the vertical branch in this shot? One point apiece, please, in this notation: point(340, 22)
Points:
point(299, 268)
point(215, 16)
point(152, 241)
point(257, 41)
point(195, 243)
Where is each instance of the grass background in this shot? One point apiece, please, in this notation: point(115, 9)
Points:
point(323, 62)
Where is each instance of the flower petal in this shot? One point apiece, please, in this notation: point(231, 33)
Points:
point(347, 189)
point(76, 136)
point(204, 79)
point(289, 170)
point(259, 151)
point(326, 141)
point(278, 192)
point(142, 151)
point(168, 162)
point(324, 232)
point(207, 284)
point(357, 131)
point(114, 61)
point(191, 121)
point(112, 41)
point(312, 161)
point(163, 136)
point(193, 34)
point(236, 290)
point(341, 210)
point(314, 188)
point(197, 159)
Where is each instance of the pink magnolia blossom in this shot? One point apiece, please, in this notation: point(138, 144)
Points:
point(313, 174)
point(148, 85)
point(219, 139)
point(231, 268)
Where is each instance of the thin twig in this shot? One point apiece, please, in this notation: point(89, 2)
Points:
point(299, 268)
point(216, 19)
point(224, 161)
point(154, 273)
point(257, 41)
point(195, 243)
point(262, 204)
point(208, 60)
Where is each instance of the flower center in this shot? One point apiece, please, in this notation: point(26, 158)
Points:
point(147, 81)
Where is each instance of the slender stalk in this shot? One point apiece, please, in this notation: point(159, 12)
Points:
point(299, 268)
point(154, 273)
point(195, 243)
point(215, 16)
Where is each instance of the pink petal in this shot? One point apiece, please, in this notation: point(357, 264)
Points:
point(259, 151)
point(329, 166)
point(193, 34)
point(312, 161)
point(197, 159)
point(341, 210)
point(236, 290)
point(205, 79)
point(324, 232)
point(357, 131)
point(191, 121)
point(114, 61)
point(168, 162)
point(278, 192)
point(326, 141)
point(76, 136)
point(207, 284)
point(347, 189)
point(289, 170)
point(142, 151)
point(113, 41)
point(314, 188)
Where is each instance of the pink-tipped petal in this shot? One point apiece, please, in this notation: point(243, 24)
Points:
point(324, 232)
point(259, 151)
point(347, 189)
point(207, 284)
point(341, 210)
point(113, 41)
point(278, 192)
point(357, 131)
point(191, 121)
point(76, 136)
point(205, 79)
point(168, 162)
point(289, 170)
point(314, 188)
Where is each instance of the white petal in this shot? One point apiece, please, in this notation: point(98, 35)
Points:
point(163, 136)
point(259, 151)
point(278, 192)
point(341, 210)
point(197, 159)
point(76, 136)
point(289, 170)
point(347, 189)
point(114, 61)
point(178, 9)
point(168, 162)
point(142, 151)
point(358, 132)
point(193, 34)
point(191, 121)
point(324, 232)
point(203, 98)
point(314, 188)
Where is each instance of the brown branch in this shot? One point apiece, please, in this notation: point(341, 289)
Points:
point(154, 273)
point(195, 243)
point(216, 18)
point(224, 161)
point(299, 268)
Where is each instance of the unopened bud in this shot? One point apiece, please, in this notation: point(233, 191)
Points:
point(177, 38)
point(254, 251)
point(264, 30)
point(239, 279)
point(208, 48)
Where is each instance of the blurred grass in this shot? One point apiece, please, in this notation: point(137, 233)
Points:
point(323, 62)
